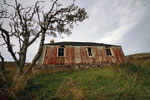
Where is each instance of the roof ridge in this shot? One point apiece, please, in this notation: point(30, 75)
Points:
point(78, 42)
point(73, 43)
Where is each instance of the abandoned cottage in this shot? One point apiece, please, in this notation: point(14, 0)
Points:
point(65, 53)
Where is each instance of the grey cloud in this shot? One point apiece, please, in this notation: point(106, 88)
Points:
point(122, 22)
point(138, 39)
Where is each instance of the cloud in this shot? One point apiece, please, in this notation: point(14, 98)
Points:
point(123, 22)
point(116, 35)
point(126, 15)
point(112, 22)
point(108, 21)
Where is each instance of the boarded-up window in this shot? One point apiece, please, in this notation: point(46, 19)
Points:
point(108, 51)
point(61, 52)
point(90, 51)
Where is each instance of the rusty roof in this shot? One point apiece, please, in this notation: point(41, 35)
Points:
point(80, 44)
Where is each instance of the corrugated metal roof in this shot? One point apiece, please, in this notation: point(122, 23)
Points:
point(80, 44)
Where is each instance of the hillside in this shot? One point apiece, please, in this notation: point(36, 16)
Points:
point(123, 82)
point(141, 56)
point(128, 81)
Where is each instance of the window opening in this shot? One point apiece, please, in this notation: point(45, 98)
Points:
point(108, 51)
point(61, 52)
point(90, 51)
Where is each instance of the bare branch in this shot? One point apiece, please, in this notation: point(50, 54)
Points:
point(7, 40)
point(8, 4)
point(36, 36)
point(52, 7)
point(38, 54)
point(3, 12)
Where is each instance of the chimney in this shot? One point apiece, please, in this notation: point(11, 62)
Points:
point(52, 41)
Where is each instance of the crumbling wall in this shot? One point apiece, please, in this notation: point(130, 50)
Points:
point(79, 55)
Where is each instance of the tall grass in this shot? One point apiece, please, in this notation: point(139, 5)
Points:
point(123, 82)
point(7, 91)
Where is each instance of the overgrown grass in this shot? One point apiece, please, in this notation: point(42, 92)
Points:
point(11, 68)
point(124, 82)
point(7, 91)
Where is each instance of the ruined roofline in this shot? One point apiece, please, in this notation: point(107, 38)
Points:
point(80, 44)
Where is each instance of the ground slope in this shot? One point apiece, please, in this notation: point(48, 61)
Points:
point(123, 82)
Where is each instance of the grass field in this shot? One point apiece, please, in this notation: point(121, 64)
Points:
point(129, 81)
point(98, 83)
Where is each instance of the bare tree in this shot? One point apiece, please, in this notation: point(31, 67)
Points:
point(28, 24)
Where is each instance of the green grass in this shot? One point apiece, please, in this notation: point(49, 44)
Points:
point(11, 68)
point(124, 82)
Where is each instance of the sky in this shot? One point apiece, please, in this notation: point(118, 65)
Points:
point(118, 22)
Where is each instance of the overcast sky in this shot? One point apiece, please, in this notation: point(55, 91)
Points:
point(120, 22)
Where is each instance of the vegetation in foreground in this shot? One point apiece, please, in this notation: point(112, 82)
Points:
point(125, 82)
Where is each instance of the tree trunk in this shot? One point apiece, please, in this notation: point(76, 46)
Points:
point(2, 69)
point(19, 72)
point(37, 56)
point(22, 58)
point(21, 64)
